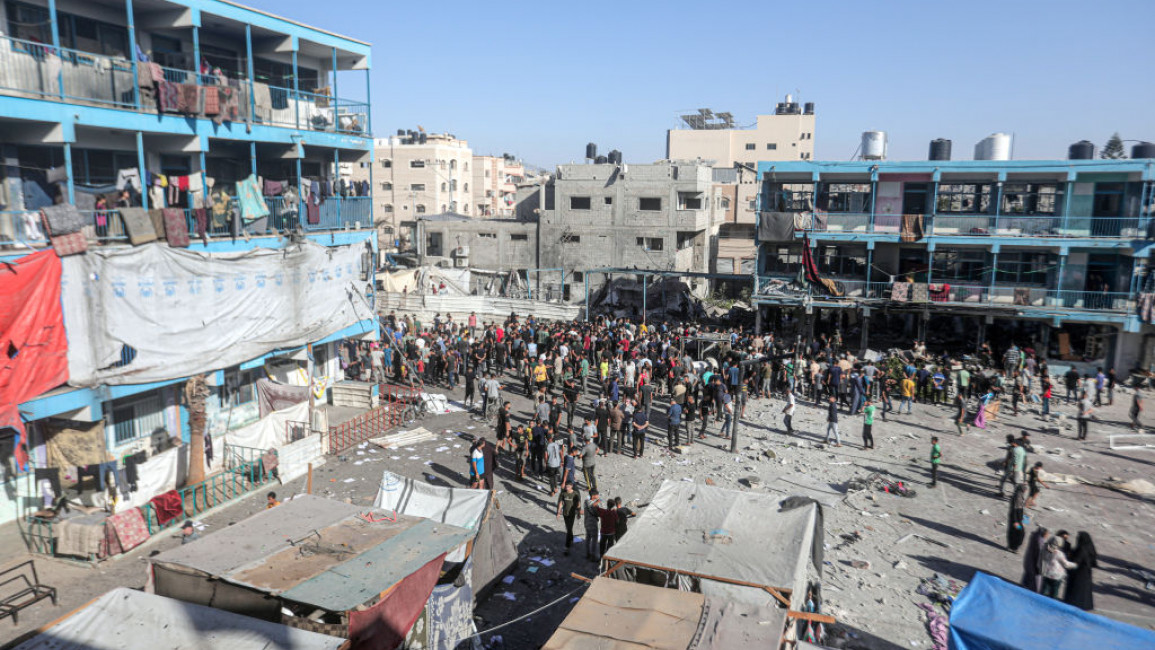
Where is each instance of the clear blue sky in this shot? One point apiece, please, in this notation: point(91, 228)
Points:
point(540, 79)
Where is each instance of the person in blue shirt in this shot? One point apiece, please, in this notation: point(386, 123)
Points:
point(674, 424)
point(477, 464)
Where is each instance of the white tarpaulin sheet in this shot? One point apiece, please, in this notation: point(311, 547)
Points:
point(456, 506)
point(159, 474)
point(270, 431)
point(712, 532)
point(186, 312)
point(125, 618)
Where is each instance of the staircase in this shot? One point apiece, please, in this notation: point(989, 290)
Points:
point(355, 394)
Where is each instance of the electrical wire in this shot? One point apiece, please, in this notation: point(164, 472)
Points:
point(546, 606)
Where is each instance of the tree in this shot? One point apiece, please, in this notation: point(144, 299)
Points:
point(196, 390)
point(1113, 150)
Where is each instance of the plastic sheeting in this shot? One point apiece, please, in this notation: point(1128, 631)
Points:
point(711, 532)
point(992, 614)
point(33, 345)
point(187, 312)
point(270, 431)
point(125, 618)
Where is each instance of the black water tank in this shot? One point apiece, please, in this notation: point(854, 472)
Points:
point(1143, 150)
point(424, 137)
point(400, 131)
point(591, 151)
point(939, 149)
point(601, 160)
point(615, 157)
point(1081, 150)
point(808, 108)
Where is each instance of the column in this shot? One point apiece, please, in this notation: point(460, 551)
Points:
point(142, 170)
point(933, 202)
point(204, 179)
point(196, 34)
point(1070, 188)
point(68, 167)
point(249, 69)
point(55, 27)
point(333, 102)
point(253, 157)
point(864, 343)
point(132, 52)
point(873, 197)
point(1059, 277)
point(994, 272)
point(336, 177)
point(302, 218)
point(998, 203)
point(587, 282)
point(296, 88)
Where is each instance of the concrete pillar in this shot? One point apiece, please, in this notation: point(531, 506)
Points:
point(758, 320)
point(865, 342)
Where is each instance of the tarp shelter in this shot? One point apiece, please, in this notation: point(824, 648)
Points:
point(125, 618)
point(493, 552)
point(360, 573)
point(993, 614)
point(726, 543)
point(619, 615)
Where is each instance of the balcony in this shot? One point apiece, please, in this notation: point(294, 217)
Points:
point(29, 69)
point(980, 225)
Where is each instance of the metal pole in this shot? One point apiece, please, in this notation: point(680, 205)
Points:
point(196, 34)
point(142, 172)
point(132, 53)
point(249, 69)
point(587, 281)
point(296, 89)
point(68, 168)
point(336, 177)
point(253, 157)
point(336, 115)
point(55, 26)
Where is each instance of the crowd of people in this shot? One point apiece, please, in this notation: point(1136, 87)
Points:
point(606, 386)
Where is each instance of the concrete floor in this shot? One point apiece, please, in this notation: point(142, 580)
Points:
point(876, 607)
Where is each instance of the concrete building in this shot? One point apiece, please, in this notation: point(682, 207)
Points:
point(495, 182)
point(485, 246)
point(256, 96)
point(419, 173)
point(654, 216)
point(734, 206)
point(787, 134)
point(1051, 254)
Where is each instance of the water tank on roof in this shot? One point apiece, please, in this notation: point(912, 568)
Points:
point(808, 108)
point(1081, 150)
point(601, 160)
point(400, 131)
point(1143, 150)
point(939, 149)
point(424, 137)
point(615, 157)
point(591, 151)
point(996, 146)
point(874, 145)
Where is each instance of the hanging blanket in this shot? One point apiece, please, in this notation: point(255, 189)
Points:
point(139, 225)
point(80, 536)
point(175, 228)
point(156, 216)
point(900, 291)
point(167, 506)
point(168, 97)
point(919, 293)
point(73, 244)
point(202, 219)
point(775, 226)
point(1022, 296)
point(911, 227)
point(131, 529)
point(1147, 307)
point(62, 219)
point(250, 200)
point(212, 100)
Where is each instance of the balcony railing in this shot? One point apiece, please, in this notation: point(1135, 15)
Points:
point(983, 225)
point(37, 70)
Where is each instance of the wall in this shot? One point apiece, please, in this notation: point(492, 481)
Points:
point(727, 146)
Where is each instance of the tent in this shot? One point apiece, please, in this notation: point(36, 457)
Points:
point(737, 545)
point(125, 618)
point(492, 553)
point(619, 615)
point(343, 570)
point(992, 614)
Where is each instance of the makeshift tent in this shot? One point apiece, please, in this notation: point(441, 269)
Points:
point(992, 614)
point(737, 545)
point(618, 615)
point(125, 618)
point(227, 308)
point(362, 573)
point(493, 552)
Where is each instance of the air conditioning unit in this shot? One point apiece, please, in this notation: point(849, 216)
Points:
point(461, 262)
point(461, 251)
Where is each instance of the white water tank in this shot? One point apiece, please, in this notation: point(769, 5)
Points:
point(996, 146)
point(874, 145)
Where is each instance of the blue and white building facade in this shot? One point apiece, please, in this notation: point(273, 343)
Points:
point(176, 101)
point(1049, 254)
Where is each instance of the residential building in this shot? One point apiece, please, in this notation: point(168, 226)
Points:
point(787, 134)
point(495, 182)
point(654, 216)
point(734, 205)
point(416, 173)
point(218, 98)
point(1049, 254)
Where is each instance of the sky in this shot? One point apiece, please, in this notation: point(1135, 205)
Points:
point(541, 79)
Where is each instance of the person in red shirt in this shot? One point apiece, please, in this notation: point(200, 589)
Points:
point(609, 521)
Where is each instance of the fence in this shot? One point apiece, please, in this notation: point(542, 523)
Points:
point(397, 402)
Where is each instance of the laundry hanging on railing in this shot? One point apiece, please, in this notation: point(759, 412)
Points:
point(249, 198)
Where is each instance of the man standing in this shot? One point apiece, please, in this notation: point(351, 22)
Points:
point(832, 421)
point(935, 459)
point(504, 430)
point(961, 412)
point(569, 467)
point(609, 523)
point(617, 427)
point(477, 465)
point(964, 382)
point(1009, 465)
point(908, 388)
point(868, 424)
point(569, 507)
point(1071, 381)
point(673, 425)
point(1136, 410)
point(788, 413)
point(1085, 411)
point(589, 461)
point(591, 522)
point(727, 415)
point(553, 452)
point(640, 424)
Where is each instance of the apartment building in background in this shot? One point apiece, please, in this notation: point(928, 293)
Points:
point(495, 183)
point(786, 134)
point(222, 104)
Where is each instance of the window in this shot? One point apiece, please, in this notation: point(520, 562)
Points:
point(387, 207)
point(386, 163)
point(137, 418)
point(453, 164)
point(1024, 267)
point(781, 260)
point(689, 200)
point(417, 187)
point(750, 146)
point(725, 203)
point(518, 236)
point(465, 166)
point(443, 186)
point(649, 203)
point(579, 203)
point(1032, 198)
point(751, 205)
point(845, 197)
point(960, 266)
point(487, 173)
point(387, 186)
point(686, 240)
point(790, 197)
point(453, 185)
point(578, 276)
point(416, 164)
point(771, 146)
point(433, 244)
point(420, 209)
point(467, 187)
point(609, 200)
point(572, 239)
point(965, 198)
point(651, 243)
point(841, 261)
point(489, 194)
point(487, 235)
point(465, 209)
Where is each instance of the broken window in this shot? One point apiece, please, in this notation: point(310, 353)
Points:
point(518, 236)
point(487, 235)
point(651, 243)
point(689, 200)
point(579, 203)
point(417, 187)
point(649, 203)
point(845, 197)
point(609, 200)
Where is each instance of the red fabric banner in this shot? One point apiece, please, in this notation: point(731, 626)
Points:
point(33, 345)
point(384, 625)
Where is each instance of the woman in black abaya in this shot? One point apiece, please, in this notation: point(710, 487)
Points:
point(1079, 586)
point(1016, 532)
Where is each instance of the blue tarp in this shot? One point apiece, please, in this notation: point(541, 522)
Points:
point(992, 614)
